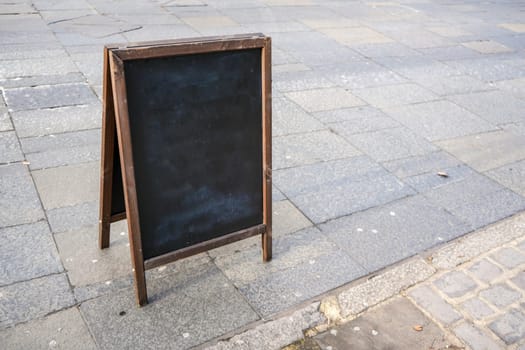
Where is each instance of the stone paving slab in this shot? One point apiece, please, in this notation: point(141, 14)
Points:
point(31, 252)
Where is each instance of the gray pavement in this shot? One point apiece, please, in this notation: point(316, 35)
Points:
point(371, 99)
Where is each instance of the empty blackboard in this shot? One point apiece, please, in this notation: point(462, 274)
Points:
point(192, 166)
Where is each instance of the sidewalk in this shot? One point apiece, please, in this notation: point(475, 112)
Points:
point(371, 100)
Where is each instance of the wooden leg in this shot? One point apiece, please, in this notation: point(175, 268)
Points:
point(267, 244)
point(141, 291)
point(103, 233)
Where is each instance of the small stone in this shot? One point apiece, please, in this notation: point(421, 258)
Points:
point(333, 332)
point(185, 335)
point(356, 329)
point(374, 332)
point(53, 343)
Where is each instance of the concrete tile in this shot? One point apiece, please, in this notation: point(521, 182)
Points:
point(449, 53)
point(349, 114)
point(63, 330)
point(353, 36)
point(381, 236)
point(49, 96)
point(460, 84)
point(418, 67)
point(314, 147)
point(41, 122)
point(361, 74)
point(289, 67)
point(510, 176)
point(9, 148)
point(425, 182)
point(335, 22)
point(487, 69)
point(209, 22)
point(73, 217)
point(38, 297)
point(283, 289)
point(115, 320)
point(378, 328)
point(392, 49)
point(277, 195)
point(515, 27)
point(336, 188)
point(75, 77)
point(68, 185)
point(449, 31)
point(37, 66)
point(514, 86)
point(439, 120)
point(395, 95)
point(19, 201)
point(286, 218)
point(276, 27)
point(5, 119)
point(477, 200)
point(324, 99)
point(86, 263)
point(391, 144)
point(160, 32)
point(62, 149)
point(27, 252)
point(487, 46)
point(303, 80)
point(357, 126)
point(288, 118)
point(486, 151)
point(429, 163)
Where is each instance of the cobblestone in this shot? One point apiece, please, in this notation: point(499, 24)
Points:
point(509, 257)
point(500, 295)
point(455, 284)
point(485, 271)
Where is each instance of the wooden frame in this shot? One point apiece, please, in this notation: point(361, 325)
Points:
point(116, 123)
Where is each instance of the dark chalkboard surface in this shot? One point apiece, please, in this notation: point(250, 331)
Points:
point(196, 135)
point(192, 167)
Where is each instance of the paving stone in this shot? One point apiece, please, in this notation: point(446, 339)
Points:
point(439, 120)
point(289, 67)
point(288, 118)
point(510, 327)
point(510, 176)
point(73, 217)
point(78, 184)
point(157, 31)
point(356, 126)
point(19, 200)
point(57, 120)
point(361, 74)
point(487, 46)
point(379, 237)
point(62, 330)
point(209, 22)
point(418, 67)
point(486, 151)
point(449, 31)
point(392, 144)
point(37, 66)
point(392, 49)
point(62, 149)
point(428, 181)
point(383, 286)
point(447, 53)
point(75, 77)
point(27, 251)
point(431, 302)
point(349, 114)
point(496, 107)
point(461, 84)
point(115, 320)
point(515, 27)
point(5, 119)
point(378, 328)
point(455, 284)
point(9, 148)
point(277, 195)
point(353, 36)
point(514, 86)
point(394, 95)
point(509, 257)
point(519, 280)
point(324, 99)
point(336, 188)
point(487, 69)
point(286, 218)
point(485, 271)
point(475, 338)
point(24, 301)
point(417, 165)
point(286, 288)
point(500, 295)
point(477, 200)
point(302, 80)
point(419, 39)
point(477, 308)
point(49, 96)
point(86, 263)
point(301, 149)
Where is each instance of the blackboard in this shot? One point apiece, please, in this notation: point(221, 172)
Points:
point(192, 166)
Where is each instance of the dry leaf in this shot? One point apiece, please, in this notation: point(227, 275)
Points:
point(418, 328)
point(442, 174)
